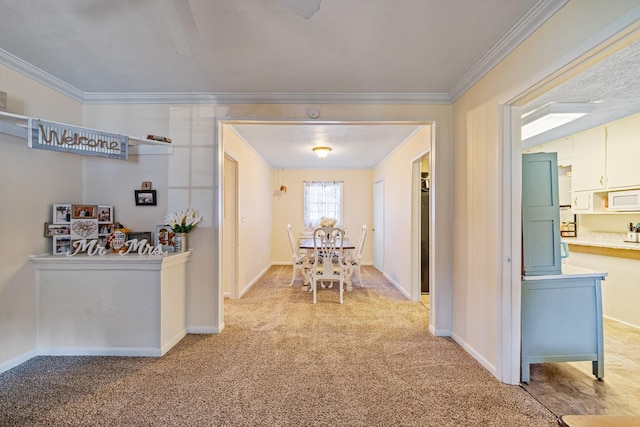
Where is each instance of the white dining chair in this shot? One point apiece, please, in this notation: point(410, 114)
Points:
point(297, 258)
point(328, 263)
point(356, 260)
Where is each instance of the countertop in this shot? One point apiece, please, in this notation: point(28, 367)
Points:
point(568, 272)
point(602, 240)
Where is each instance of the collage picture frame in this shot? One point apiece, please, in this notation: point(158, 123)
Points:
point(72, 222)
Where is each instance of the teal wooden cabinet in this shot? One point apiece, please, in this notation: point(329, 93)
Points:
point(540, 215)
point(562, 319)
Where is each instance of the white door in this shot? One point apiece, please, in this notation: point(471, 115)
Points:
point(378, 225)
point(229, 230)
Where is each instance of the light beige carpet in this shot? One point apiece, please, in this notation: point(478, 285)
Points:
point(281, 361)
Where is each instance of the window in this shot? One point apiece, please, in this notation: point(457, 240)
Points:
point(322, 199)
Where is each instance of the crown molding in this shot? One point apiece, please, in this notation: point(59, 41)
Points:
point(23, 67)
point(265, 98)
point(529, 23)
point(539, 14)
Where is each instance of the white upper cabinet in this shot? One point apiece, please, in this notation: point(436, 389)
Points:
point(623, 153)
point(563, 146)
point(589, 160)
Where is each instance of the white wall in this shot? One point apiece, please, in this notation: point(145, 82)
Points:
point(621, 287)
point(289, 208)
point(479, 319)
point(31, 181)
point(397, 174)
point(180, 179)
point(255, 192)
point(472, 309)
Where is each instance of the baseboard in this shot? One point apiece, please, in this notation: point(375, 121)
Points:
point(18, 360)
point(255, 280)
point(396, 285)
point(469, 349)
point(204, 329)
point(173, 341)
point(100, 351)
point(439, 332)
point(622, 321)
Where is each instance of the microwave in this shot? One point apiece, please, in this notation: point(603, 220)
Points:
point(624, 200)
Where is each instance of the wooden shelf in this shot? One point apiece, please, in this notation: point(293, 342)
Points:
point(17, 125)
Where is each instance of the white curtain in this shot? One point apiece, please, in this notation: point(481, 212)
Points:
point(322, 199)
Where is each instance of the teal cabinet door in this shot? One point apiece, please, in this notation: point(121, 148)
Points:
point(540, 215)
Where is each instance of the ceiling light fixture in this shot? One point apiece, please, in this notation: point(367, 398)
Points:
point(321, 152)
point(551, 116)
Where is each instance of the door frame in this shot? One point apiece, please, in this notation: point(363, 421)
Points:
point(378, 226)
point(617, 36)
point(416, 225)
point(230, 226)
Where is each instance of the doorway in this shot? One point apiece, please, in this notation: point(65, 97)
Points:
point(512, 169)
point(230, 228)
point(378, 225)
point(425, 214)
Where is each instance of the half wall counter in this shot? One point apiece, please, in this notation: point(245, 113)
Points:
point(111, 305)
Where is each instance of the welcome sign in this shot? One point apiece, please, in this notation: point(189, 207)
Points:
point(53, 136)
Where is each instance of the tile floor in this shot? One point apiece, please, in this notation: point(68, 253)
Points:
point(570, 388)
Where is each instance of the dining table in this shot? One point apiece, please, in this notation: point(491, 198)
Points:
point(307, 246)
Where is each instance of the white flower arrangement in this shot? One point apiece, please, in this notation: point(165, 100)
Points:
point(183, 222)
point(328, 222)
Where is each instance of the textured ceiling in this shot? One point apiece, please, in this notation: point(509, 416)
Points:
point(613, 83)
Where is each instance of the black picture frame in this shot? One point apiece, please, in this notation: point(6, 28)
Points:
point(145, 197)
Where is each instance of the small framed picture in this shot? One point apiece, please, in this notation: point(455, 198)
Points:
point(105, 229)
point(61, 245)
point(103, 240)
point(51, 230)
point(84, 211)
point(140, 235)
point(105, 214)
point(145, 197)
point(62, 214)
point(146, 185)
point(164, 237)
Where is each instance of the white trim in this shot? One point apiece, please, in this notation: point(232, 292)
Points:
point(204, 329)
point(617, 34)
point(619, 321)
point(508, 365)
point(537, 16)
point(23, 67)
point(523, 29)
point(265, 98)
point(397, 286)
point(439, 332)
point(254, 281)
point(100, 351)
point(168, 345)
point(18, 360)
point(484, 362)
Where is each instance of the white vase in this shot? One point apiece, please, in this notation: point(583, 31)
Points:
point(180, 242)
